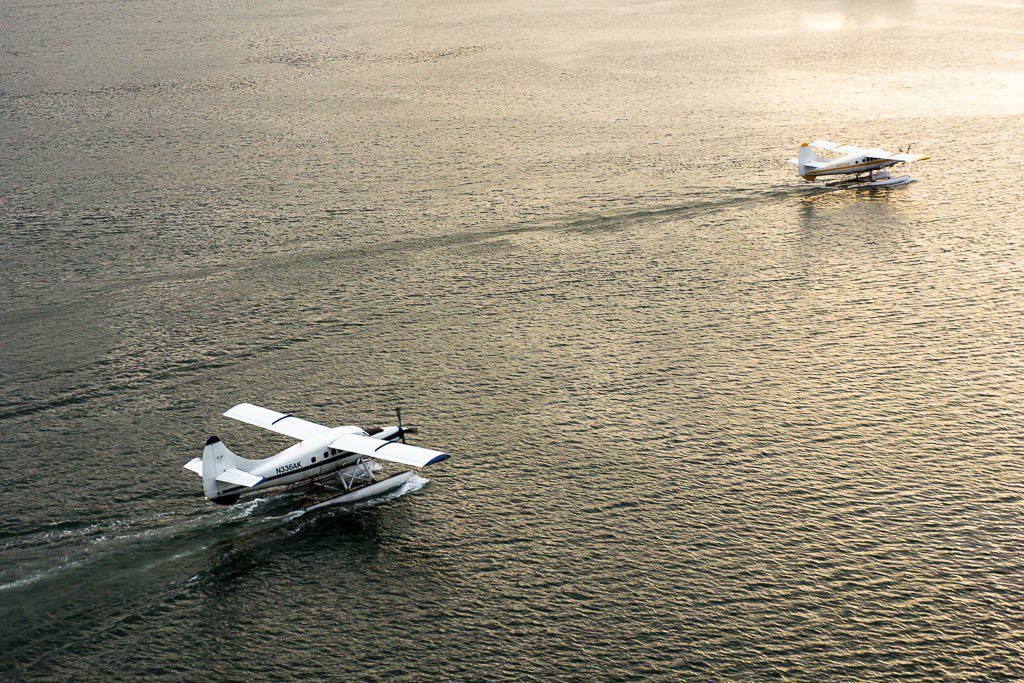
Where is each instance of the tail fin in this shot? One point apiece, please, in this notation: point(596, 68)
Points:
point(217, 460)
point(807, 160)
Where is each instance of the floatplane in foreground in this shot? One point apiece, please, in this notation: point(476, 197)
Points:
point(865, 166)
point(339, 460)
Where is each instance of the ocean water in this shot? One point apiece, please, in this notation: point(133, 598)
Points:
point(707, 422)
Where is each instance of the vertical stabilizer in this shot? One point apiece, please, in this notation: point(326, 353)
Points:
point(807, 160)
point(217, 458)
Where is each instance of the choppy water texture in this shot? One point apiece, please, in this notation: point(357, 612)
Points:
point(706, 423)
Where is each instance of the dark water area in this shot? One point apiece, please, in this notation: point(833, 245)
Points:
point(707, 422)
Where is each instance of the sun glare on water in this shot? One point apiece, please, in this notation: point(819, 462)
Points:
point(824, 21)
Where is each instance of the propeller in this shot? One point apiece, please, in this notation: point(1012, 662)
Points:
point(402, 429)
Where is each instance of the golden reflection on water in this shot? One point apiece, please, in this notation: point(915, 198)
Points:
point(824, 21)
point(838, 16)
point(565, 236)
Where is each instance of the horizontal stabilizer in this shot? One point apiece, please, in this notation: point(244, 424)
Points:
point(195, 465)
point(282, 423)
point(233, 475)
point(391, 451)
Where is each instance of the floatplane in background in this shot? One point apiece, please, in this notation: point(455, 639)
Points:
point(339, 460)
point(865, 166)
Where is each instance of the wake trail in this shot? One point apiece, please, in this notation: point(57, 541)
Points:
point(160, 537)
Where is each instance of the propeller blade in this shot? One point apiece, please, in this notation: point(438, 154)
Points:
point(401, 429)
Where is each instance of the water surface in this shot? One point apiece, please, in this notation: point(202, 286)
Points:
point(707, 423)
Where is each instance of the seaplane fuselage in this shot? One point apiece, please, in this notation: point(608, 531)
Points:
point(851, 163)
point(296, 464)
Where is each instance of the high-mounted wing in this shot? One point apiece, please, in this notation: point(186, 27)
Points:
point(281, 423)
point(875, 153)
point(908, 158)
point(836, 147)
point(825, 144)
point(391, 451)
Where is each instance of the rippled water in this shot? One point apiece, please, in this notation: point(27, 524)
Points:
point(707, 423)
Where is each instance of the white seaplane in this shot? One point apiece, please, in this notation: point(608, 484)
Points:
point(339, 460)
point(866, 166)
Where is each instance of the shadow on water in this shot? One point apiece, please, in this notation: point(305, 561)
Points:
point(821, 206)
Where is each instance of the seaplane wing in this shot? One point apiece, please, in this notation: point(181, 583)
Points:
point(882, 154)
point(391, 451)
point(282, 423)
point(875, 153)
point(831, 146)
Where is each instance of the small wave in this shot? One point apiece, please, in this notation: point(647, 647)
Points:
point(28, 580)
point(57, 532)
